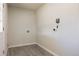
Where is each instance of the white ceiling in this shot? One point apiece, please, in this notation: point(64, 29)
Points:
point(32, 6)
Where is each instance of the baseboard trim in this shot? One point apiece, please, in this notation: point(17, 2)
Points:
point(47, 49)
point(21, 45)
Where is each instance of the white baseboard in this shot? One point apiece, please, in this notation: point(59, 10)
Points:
point(47, 49)
point(21, 45)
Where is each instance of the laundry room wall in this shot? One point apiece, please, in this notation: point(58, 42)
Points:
point(65, 40)
point(21, 27)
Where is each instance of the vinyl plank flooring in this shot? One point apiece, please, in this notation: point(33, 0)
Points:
point(31, 50)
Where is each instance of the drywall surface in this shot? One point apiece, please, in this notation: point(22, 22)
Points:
point(20, 21)
point(64, 41)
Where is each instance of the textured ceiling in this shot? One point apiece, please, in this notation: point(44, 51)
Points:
point(32, 6)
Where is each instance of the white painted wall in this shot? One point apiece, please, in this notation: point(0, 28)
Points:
point(21, 20)
point(64, 41)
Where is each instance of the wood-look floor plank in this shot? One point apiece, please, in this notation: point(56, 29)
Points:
point(31, 50)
